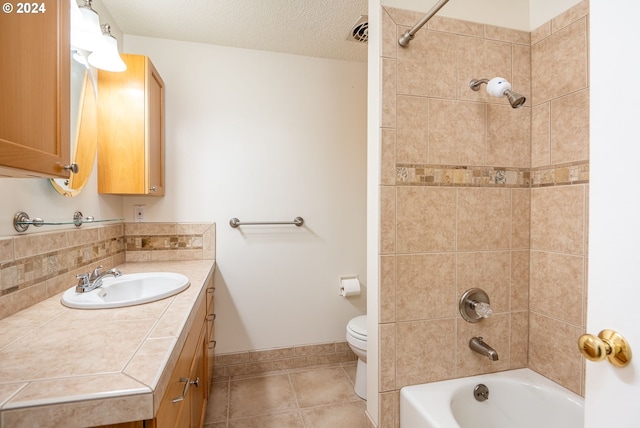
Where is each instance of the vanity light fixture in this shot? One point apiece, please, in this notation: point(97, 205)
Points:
point(107, 57)
point(85, 27)
point(91, 41)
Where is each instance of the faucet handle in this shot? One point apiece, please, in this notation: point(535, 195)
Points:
point(475, 305)
point(95, 273)
point(482, 309)
point(83, 282)
point(83, 278)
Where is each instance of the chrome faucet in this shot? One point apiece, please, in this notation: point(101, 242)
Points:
point(477, 345)
point(92, 280)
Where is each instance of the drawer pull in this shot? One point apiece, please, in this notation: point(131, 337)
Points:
point(187, 382)
point(211, 317)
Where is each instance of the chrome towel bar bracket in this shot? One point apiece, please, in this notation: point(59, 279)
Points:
point(234, 222)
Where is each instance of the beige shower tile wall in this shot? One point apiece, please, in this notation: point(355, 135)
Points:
point(37, 266)
point(455, 212)
point(476, 194)
point(559, 196)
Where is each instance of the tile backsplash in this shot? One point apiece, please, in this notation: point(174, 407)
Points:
point(147, 242)
point(37, 266)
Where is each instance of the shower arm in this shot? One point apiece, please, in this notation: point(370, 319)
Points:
point(410, 34)
point(475, 83)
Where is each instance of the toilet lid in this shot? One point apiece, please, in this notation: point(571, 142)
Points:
point(358, 326)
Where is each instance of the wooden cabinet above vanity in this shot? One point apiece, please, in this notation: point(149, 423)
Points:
point(34, 90)
point(131, 129)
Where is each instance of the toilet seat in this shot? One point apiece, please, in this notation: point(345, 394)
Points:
point(357, 327)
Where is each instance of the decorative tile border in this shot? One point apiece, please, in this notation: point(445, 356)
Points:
point(561, 175)
point(462, 176)
point(263, 361)
point(488, 176)
point(167, 242)
point(145, 242)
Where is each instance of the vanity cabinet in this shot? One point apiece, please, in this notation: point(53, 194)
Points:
point(131, 129)
point(35, 90)
point(185, 400)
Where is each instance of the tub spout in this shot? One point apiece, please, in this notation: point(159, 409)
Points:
point(477, 345)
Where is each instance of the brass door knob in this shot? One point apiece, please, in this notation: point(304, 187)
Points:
point(608, 344)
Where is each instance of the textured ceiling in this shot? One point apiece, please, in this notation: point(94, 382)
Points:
point(302, 27)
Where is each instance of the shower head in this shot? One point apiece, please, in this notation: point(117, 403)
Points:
point(515, 99)
point(498, 87)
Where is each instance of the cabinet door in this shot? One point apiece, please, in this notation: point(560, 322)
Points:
point(35, 89)
point(121, 129)
point(131, 129)
point(199, 393)
point(155, 170)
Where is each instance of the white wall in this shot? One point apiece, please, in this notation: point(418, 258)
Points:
point(36, 197)
point(543, 11)
point(267, 136)
point(524, 15)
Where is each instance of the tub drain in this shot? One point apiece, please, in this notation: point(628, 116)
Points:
point(481, 392)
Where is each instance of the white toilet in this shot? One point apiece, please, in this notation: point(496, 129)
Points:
point(357, 339)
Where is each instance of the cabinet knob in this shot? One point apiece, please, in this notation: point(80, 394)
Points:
point(608, 344)
point(74, 168)
point(153, 189)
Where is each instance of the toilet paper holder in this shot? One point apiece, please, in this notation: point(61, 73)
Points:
point(349, 285)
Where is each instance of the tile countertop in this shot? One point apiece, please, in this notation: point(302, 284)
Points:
point(72, 367)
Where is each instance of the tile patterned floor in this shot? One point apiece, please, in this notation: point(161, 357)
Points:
point(316, 397)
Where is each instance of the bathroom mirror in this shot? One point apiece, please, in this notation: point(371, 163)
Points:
point(84, 127)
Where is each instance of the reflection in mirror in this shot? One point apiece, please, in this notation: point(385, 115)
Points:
point(84, 127)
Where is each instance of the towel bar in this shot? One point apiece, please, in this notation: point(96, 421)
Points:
point(234, 222)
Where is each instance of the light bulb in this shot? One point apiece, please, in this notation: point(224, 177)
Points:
point(108, 58)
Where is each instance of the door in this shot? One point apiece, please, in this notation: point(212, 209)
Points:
point(613, 394)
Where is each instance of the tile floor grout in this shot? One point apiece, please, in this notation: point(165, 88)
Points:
point(315, 397)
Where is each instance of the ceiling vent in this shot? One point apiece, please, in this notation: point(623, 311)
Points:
point(360, 30)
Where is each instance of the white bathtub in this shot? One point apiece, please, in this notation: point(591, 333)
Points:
point(517, 399)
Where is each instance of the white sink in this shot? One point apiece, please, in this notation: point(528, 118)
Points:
point(127, 290)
